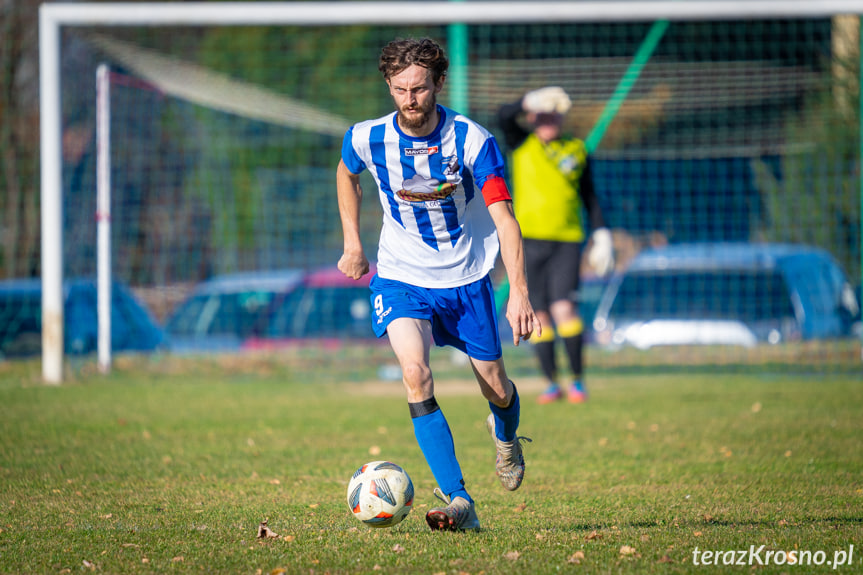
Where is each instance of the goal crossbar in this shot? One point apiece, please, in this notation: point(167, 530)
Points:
point(435, 12)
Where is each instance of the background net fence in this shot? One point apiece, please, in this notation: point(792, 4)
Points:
point(224, 142)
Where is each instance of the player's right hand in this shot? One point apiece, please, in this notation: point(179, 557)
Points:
point(522, 319)
point(354, 266)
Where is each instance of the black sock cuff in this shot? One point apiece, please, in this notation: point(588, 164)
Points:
point(423, 407)
point(514, 395)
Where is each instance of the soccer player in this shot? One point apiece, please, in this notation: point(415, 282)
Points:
point(446, 215)
point(552, 185)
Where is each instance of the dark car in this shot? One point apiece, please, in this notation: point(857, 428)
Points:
point(326, 310)
point(726, 294)
point(132, 327)
point(222, 312)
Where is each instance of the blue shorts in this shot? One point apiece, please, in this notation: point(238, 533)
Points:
point(463, 317)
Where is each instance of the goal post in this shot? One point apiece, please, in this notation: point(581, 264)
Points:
point(103, 216)
point(55, 18)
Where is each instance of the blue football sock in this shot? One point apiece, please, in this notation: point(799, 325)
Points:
point(506, 418)
point(435, 440)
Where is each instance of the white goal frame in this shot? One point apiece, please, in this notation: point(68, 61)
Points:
point(54, 16)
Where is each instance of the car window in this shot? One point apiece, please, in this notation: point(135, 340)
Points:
point(20, 324)
point(739, 295)
point(338, 312)
point(19, 313)
point(813, 285)
point(220, 314)
point(81, 320)
point(238, 313)
point(285, 321)
point(185, 320)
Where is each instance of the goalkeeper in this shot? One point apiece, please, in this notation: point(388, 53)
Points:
point(551, 188)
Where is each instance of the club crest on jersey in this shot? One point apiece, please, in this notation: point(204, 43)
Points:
point(452, 166)
point(419, 189)
point(421, 151)
point(568, 164)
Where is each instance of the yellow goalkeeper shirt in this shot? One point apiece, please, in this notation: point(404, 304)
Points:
point(545, 191)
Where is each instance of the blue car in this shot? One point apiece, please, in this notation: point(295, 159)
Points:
point(132, 326)
point(726, 294)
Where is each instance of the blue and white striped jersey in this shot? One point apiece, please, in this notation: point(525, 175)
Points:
point(436, 231)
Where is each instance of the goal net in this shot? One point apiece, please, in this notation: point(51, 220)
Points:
point(711, 123)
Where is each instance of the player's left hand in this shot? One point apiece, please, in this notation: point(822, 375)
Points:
point(601, 255)
point(521, 317)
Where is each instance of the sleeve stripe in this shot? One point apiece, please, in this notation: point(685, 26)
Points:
point(494, 190)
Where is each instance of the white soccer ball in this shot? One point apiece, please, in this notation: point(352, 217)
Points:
point(380, 494)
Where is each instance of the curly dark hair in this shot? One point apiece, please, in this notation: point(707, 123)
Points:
point(401, 54)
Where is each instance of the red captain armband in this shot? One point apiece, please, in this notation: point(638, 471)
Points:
point(494, 190)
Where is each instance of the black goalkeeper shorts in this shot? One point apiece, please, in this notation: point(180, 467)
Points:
point(553, 270)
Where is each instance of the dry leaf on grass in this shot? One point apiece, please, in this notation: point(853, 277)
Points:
point(593, 535)
point(576, 557)
point(627, 551)
point(398, 548)
point(278, 571)
point(265, 532)
point(512, 555)
point(520, 507)
point(665, 559)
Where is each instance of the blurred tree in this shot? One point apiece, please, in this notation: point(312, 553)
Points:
point(19, 138)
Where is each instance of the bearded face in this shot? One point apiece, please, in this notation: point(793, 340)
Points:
point(414, 94)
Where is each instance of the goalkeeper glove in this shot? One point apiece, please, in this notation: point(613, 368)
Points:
point(601, 255)
point(550, 100)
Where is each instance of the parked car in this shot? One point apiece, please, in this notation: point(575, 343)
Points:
point(326, 310)
point(726, 293)
point(221, 313)
point(132, 326)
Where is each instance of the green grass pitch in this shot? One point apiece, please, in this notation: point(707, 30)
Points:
point(170, 467)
